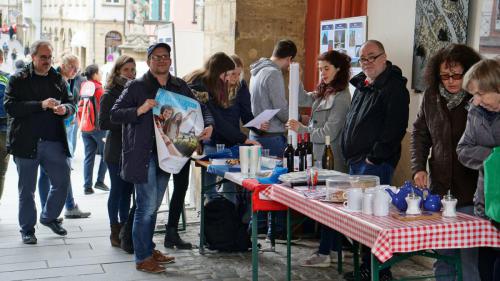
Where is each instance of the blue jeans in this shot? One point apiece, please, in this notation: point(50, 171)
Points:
point(53, 159)
point(94, 144)
point(384, 171)
point(328, 241)
point(469, 259)
point(44, 187)
point(71, 131)
point(119, 195)
point(275, 144)
point(148, 199)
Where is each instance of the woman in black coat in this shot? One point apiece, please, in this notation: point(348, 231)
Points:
point(121, 191)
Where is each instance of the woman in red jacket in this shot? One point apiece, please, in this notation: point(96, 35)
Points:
point(93, 141)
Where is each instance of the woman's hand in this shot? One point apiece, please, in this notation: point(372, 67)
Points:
point(206, 133)
point(264, 126)
point(420, 179)
point(252, 142)
point(293, 125)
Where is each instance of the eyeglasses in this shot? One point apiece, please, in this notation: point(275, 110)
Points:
point(455, 76)
point(161, 57)
point(370, 59)
point(45, 58)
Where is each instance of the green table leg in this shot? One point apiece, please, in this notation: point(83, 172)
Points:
point(355, 256)
point(458, 265)
point(202, 212)
point(255, 250)
point(288, 245)
point(375, 267)
point(339, 254)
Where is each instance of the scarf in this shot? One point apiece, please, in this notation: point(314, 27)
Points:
point(324, 90)
point(452, 100)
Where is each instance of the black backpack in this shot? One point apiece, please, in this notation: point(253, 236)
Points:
point(224, 230)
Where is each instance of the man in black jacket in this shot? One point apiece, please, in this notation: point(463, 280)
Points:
point(139, 161)
point(376, 122)
point(37, 102)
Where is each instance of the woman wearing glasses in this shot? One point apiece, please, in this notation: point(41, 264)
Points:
point(439, 125)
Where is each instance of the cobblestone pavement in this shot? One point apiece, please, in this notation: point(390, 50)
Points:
point(85, 253)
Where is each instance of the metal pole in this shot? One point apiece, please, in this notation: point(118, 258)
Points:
point(93, 32)
point(124, 19)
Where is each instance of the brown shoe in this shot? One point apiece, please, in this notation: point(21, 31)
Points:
point(149, 265)
point(115, 234)
point(159, 257)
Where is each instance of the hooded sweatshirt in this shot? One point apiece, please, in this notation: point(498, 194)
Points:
point(267, 90)
point(377, 119)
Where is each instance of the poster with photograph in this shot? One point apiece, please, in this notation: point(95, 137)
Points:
point(177, 121)
point(344, 35)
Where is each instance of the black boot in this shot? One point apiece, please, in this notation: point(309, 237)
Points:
point(172, 239)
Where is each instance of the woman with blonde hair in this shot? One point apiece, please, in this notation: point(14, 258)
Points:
point(119, 195)
point(481, 135)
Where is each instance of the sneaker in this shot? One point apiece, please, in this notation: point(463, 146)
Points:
point(317, 260)
point(29, 238)
point(102, 186)
point(88, 190)
point(159, 257)
point(149, 265)
point(76, 213)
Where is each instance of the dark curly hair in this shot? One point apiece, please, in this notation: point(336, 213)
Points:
point(451, 55)
point(343, 63)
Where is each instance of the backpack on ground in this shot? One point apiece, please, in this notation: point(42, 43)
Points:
point(224, 230)
point(87, 108)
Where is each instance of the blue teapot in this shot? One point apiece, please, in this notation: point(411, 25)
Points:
point(432, 203)
point(399, 198)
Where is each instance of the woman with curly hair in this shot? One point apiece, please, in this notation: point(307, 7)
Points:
point(439, 125)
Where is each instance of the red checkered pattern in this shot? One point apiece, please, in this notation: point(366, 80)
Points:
point(387, 235)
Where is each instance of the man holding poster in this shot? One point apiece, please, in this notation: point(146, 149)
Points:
point(142, 142)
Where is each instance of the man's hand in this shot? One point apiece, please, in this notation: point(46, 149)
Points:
point(146, 106)
point(264, 126)
point(368, 161)
point(50, 103)
point(206, 133)
point(59, 110)
point(420, 179)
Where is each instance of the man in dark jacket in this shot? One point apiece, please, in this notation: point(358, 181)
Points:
point(37, 102)
point(376, 122)
point(139, 161)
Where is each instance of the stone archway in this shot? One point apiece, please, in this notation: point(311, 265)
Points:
point(112, 40)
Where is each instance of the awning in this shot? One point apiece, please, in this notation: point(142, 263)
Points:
point(79, 39)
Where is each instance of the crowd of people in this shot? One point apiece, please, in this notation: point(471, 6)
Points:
point(457, 125)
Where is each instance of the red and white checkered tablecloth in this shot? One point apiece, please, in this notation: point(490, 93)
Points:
point(388, 235)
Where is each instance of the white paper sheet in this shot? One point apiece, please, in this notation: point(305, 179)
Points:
point(264, 116)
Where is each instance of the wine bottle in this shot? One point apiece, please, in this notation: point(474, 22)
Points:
point(288, 155)
point(327, 160)
point(309, 150)
point(298, 160)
